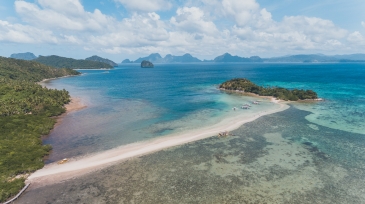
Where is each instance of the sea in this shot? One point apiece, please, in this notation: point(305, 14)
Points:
point(313, 152)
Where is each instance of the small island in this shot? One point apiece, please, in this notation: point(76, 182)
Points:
point(245, 85)
point(146, 64)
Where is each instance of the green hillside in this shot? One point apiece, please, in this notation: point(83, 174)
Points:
point(29, 70)
point(100, 59)
point(25, 110)
point(64, 62)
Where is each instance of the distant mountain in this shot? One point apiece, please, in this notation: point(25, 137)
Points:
point(127, 61)
point(100, 59)
point(64, 62)
point(355, 57)
point(302, 58)
point(226, 57)
point(23, 56)
point(181, 59)
point(156, 58)
point(22, 70)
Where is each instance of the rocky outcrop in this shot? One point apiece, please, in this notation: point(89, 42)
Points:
point(146, 64)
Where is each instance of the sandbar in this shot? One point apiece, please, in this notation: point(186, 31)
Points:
point(78, 166)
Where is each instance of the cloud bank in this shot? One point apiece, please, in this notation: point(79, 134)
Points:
point(202, 28)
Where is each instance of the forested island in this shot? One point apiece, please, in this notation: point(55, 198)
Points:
point(96, 58)
point(245, 85)
point(25, 115)
point(64, 62)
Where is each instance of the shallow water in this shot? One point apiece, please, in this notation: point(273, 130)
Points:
point(279, 158)
point(310, 153)
point(130, 104)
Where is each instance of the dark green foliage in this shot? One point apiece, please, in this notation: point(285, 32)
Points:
point(21, 149)
point(25, 110)
point(100, 59)
point(10, 188)
point(280, 93)
point(64, 62)
point(22, 97)
point(29, 70)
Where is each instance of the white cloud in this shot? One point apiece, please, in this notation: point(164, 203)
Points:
point(241, 11)
point(356, 38)
point(71, 39)
point(66, 7)
point(145, 5)
point(136, 31)
point(24, 34)
point(192, 19)
point(66, 14)
point(316, 29)
point(295, 33)
point(202, 27)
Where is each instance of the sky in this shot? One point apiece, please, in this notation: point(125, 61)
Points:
point(120, 29)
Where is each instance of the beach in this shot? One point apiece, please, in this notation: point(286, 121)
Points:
point(74, 167)
point(75, 104)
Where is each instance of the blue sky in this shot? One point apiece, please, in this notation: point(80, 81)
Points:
point(120, 29)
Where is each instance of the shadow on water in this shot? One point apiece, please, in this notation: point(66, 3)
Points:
point(279, 158)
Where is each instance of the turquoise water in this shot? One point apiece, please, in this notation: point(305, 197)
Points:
point(130, 104)
point(278, 158)
point(309, 153)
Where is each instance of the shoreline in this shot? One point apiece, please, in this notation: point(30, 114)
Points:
point(78, 166)
point(49, 79)
point(271, 97)
point(96, 69)
point(75, 104)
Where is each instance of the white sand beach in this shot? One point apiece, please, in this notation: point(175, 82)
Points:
point(53, 173)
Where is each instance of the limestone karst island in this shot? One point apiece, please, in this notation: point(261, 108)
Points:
point(146, 64)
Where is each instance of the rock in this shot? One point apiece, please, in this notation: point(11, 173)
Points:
point(146, 64)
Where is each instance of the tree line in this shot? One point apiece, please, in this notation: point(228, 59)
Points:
point(25, 115)
point(246, 85)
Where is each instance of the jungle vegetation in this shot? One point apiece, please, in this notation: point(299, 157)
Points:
point(278, 92)
point(64, 62)
point(25, 115)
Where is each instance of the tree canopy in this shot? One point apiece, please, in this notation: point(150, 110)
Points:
point(64, 62)
point(246, 85)
point(25, 110)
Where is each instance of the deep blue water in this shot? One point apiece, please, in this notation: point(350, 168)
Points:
point(129, 103)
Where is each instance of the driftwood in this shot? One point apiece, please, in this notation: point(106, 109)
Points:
point(17, 195)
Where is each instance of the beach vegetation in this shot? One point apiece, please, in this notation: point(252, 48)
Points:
point(25, 115)
point(245, 85)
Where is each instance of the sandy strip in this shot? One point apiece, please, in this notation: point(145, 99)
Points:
point(75, 104)
point(54, 172)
